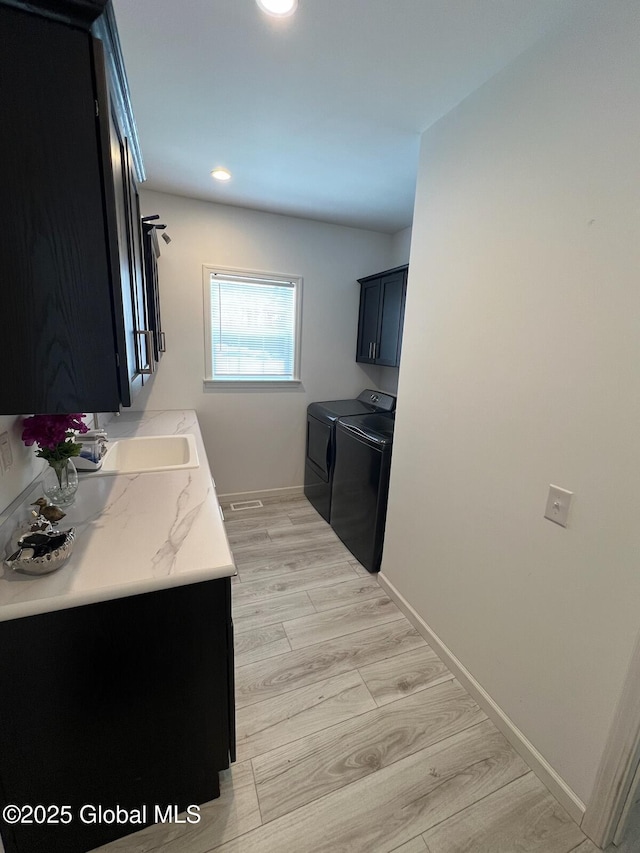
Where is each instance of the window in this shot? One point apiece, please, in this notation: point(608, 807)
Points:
point(252, 328)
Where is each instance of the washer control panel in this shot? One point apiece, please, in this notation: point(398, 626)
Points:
point(383, 402)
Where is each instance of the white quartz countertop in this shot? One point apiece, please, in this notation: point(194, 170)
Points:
point(135, 533)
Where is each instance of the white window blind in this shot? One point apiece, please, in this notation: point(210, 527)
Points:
point(253, 328)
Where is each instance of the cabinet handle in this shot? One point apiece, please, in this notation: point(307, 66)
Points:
point(370, 348)
point(148, 337)
point(375, 347)
point(163, 342)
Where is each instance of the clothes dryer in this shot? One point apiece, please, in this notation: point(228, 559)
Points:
point(361, 484)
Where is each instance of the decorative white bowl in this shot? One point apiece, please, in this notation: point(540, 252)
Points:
point(26, 563)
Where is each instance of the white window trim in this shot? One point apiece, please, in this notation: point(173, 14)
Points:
point(211, 384)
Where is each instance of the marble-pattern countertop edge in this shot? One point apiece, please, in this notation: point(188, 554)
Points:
point(136, 533)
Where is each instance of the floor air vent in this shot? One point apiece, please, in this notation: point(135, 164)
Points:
point(246, 505)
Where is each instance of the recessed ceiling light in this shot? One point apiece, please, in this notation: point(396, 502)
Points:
point(221, 175)
point(281, 8)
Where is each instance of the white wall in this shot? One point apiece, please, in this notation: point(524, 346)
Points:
point(26, 465)
point(255, 440)
point(400, 247)
point(521, 368)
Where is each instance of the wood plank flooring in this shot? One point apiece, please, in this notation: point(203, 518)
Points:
point(353, 737)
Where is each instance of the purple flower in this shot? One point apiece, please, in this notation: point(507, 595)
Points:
point(75, 422)
point(48, 431)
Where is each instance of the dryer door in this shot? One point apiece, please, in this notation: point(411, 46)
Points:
point(319, 449)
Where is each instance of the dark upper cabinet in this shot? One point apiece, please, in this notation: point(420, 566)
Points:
point(143, 333)
point(151, 254)
point(120, 243)
point(69, 219)
point(381, 317)
point(126, 241)
point(123, 213)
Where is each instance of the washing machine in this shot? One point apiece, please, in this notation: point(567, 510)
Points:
point(321, 436)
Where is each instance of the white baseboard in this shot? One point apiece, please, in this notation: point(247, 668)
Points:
point(527, 751)
point(265, 494)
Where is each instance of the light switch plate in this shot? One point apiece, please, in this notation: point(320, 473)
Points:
point(558, 504)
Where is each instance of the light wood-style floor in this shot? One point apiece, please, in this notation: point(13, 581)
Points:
point(352, 735)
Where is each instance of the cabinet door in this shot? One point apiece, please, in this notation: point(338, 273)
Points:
point(368, 321)
point(138, 344)
point(120, 702)
point(125, 259)
point(57, 346)
point(392, 298)
point(144, 337)
point(151, 255)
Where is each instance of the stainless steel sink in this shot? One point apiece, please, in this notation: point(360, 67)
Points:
point(151, 453)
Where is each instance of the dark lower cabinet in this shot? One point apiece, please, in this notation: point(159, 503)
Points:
point(381, 317)
point(127, 703)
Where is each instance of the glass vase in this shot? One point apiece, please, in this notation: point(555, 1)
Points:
point(60, 482)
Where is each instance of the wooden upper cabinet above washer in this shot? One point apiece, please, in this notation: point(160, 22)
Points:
point(381, 317)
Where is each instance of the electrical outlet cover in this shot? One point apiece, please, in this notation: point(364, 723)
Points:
point(558, 504)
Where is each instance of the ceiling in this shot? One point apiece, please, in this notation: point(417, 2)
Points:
point(318, 115)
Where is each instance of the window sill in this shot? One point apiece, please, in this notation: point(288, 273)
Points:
point(252, 385)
